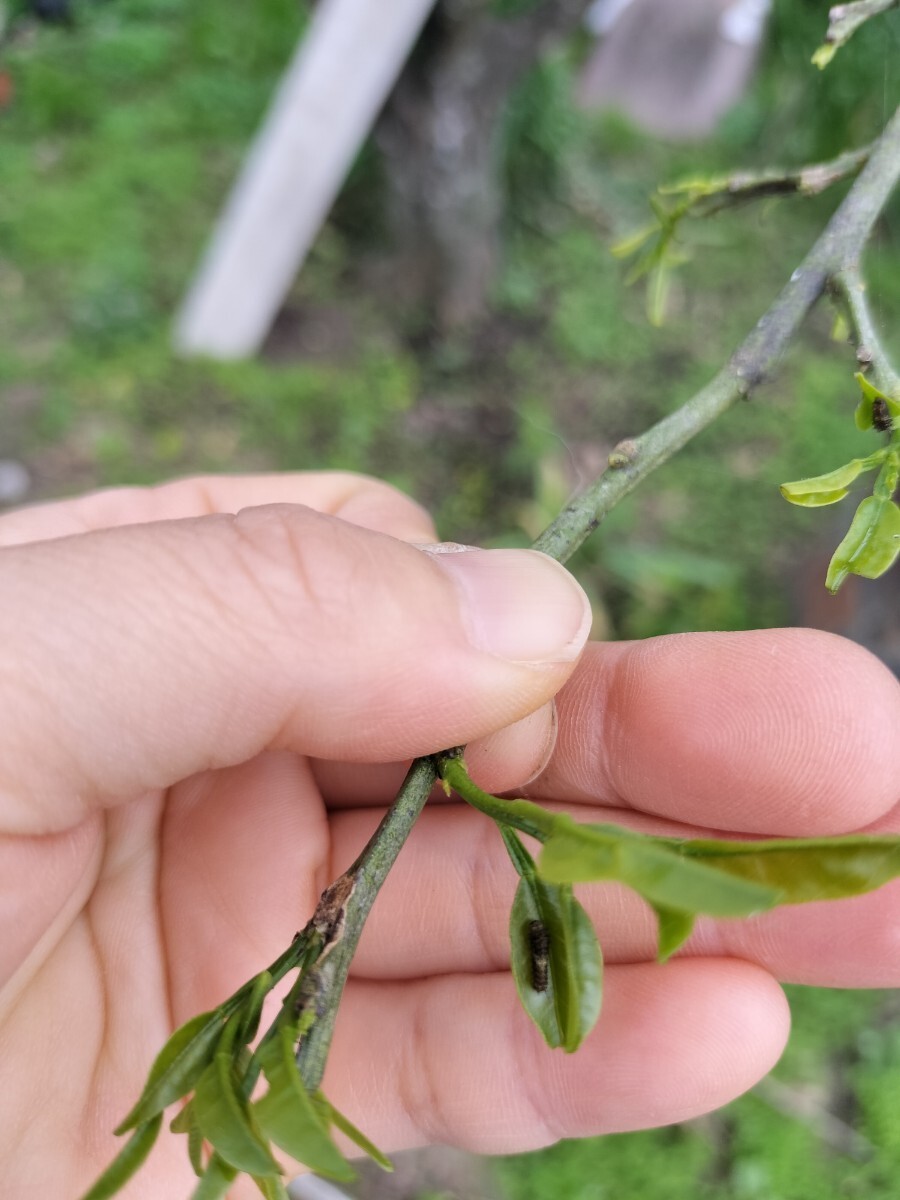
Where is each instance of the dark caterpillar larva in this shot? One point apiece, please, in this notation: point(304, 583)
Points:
point(539, 949)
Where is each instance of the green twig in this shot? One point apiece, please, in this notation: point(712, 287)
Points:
point(838, 248)
point(324, 984)
point(849, 288)
point(708, 196)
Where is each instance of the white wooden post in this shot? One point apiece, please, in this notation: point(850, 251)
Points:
point(328, 100)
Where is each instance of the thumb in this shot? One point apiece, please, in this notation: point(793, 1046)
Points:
point(139, 655)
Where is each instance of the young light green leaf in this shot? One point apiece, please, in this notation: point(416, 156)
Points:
point(129, 1160)
point(177, 1068)
point(226, 1120)
point(215, 1180)
point(630, 244)
point(675, 927)
point(829, 488)
point(556, 962)
point(356, 1135)
point(803, 870)
point(288, 1116)
point(871, 544)
point(581, 853)
point(869, 396)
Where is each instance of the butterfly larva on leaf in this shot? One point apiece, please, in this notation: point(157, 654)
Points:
point(881, 415)
point(539, 949)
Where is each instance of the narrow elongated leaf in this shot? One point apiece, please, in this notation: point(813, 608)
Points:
point(252, 1011)
point(195, 1149)
point(288, 1116)
point(215, 1181)
point(177, 1067)
point(582, 853)
point(226, 1120)
point(356, 1135)
point(129, 1159)
point(804, 870)
point(871, 544)
point(556, 961)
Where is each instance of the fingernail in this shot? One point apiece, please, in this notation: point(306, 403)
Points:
point(518, 604)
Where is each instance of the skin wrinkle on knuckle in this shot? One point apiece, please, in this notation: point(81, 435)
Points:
point(303, 570)
point(522, 1052)
point(417, 1087)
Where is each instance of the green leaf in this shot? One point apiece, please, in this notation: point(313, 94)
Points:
point(183, 1121)
point(271, 1187)
point(356, 1135)
point(803, 870)
point(252, 1009)
point(675, 927)
point(829, 488)
point(215, 1181)
point(226, 1120)
point(195, 1149)
point(871, 544)
point(824, 54)
point(581, 853)
point(629, 245)
point(865, 418)
point(658, 287)
point(288, 1116)
point(177, 1067)
point(565, 1002)
point(129, 1160)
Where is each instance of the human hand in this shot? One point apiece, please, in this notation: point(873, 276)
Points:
point(186, 708)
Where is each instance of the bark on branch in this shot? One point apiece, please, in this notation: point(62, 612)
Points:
point(833, 259)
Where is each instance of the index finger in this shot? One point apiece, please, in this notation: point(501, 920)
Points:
point(359, 499)
point(780, 732)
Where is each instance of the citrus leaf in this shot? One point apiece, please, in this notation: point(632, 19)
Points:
point(226, 1121)
point(260, 987)
point(871, 544)
point(271, 1187)
point(870, 395)
point(215, 1181)
point(825, 489)
point(554, 954)
point(556, 962)
point(355, 1135)
point(129, 1159)
point(581, 853)
point(288, 1116)
point(675, 927)
point(804, 869)
point(183, 1121)
point(177, 1067)
point(195, 1149)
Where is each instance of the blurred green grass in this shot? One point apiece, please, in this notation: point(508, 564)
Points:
point(115, 154)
